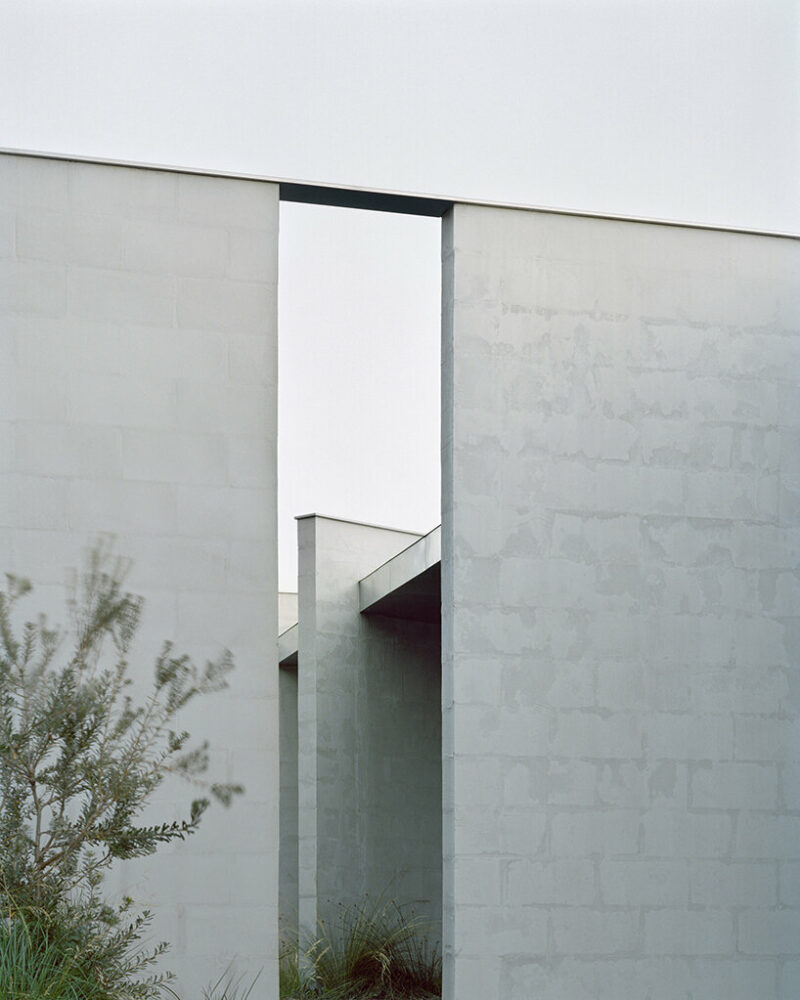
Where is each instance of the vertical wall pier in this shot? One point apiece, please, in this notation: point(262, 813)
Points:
point(369, 732)
point(620, 609)
point(138, 350)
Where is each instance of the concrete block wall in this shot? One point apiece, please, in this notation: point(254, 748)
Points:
point(369, 713)
point(289, 861)
point(620, 610)
point(287, 692)
point(138, 370)
point(401, 739)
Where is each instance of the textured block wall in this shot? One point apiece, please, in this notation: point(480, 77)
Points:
point(138, 371)
point(287, 693)
point(400, 730)
point(620, 610)
point(288, 899)
point(369, 715)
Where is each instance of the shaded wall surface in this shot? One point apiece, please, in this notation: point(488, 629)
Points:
point(620, 598)
point(138, 369)
point(288, 900)
point(369, 732)
point(287, 685)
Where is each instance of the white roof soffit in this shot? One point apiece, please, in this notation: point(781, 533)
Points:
point(287, 647)
point(378, 588)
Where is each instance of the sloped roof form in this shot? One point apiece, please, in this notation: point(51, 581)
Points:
point(408, 585)
point(287, 647)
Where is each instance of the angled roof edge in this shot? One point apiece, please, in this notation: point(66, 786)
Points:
point(407, 565)
point(287, 646)
point(409, 203)
point(361, 524)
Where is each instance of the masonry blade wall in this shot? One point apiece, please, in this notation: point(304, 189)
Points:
point(620, 601)
point(138, 357)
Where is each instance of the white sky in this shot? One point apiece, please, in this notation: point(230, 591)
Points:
point(680, 109)
point(359, 335)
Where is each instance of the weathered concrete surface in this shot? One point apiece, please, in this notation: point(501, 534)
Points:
point(369, 731)
point(620, 598)
point(138, 372)
point(287, 682)
point(288, 900)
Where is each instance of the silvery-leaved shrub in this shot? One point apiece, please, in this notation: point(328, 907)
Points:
point(80, 758)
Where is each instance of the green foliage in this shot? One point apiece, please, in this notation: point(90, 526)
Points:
point(64, 951)
point(79, 761)
point(372, 950)
point(291, 983)
point(34, 965)
point(230, 987)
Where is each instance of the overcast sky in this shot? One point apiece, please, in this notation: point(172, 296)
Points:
point(678, 109)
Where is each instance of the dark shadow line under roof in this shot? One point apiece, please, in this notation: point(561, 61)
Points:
point(372, 201)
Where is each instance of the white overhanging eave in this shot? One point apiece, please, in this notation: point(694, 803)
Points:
point(392, 586)
point(287, 647)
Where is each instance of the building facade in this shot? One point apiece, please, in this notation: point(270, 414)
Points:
point(568, 721)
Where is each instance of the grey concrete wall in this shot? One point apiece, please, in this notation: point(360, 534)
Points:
point(288, 898)
point(138, 371)
point(400, 727)
point(287, 683)
point(620, 599)
point(369, 732)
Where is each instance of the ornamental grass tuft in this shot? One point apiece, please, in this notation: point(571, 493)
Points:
point(370, 951)
point(55, 953)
